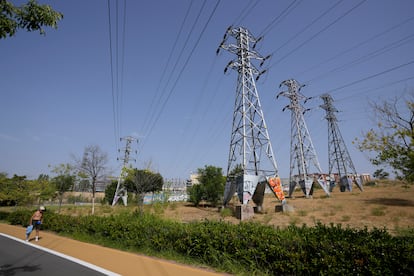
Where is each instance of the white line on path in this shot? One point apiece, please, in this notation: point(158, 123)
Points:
point(75, 260)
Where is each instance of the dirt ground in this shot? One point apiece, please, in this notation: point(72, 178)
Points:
point(384, 205)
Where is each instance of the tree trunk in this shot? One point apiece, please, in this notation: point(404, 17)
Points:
point(93, 194)
point(60, 202)
point(93, 204)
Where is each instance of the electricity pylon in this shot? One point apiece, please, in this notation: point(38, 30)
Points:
point(251, 160)
point(338, 154)
point(121, 191)
point(304, 165)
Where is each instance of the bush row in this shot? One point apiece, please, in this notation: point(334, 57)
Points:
point(247, 248)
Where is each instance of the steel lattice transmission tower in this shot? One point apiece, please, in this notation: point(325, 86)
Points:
point(251, 160)
point(121, 191)
point(304, 165)
point(338, 154)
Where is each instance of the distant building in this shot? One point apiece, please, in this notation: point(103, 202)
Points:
point(194, 178)
point(175, 189)
point(365, 177)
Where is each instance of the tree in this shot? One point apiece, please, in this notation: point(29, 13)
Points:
point(30, 16)
point(64, 180)
point(47, 189)
point(380, 174)
point(195, 194)
point(211, 187)
point(110, 192)
point(393, 140)
point(213, 181)
point(143, 181)
point(20, 191)
point(93, 166)
point(17, 191)
point(6, 187)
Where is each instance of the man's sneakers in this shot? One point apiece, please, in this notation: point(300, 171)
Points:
point(36, 238)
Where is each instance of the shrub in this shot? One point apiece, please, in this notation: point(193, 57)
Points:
point(226, 212)
point(195, 194)
point(377, 212)
point(246, 248)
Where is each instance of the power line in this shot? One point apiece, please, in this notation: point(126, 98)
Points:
point(122, 66)
point(114, 107)
point(357, 45)
point(196, 107)
point(117, 73)
point(318, 33)
point(247, 9)
point(191, 136)
point(372, 76)
point(367, 57)
point(155, 111)
point(280, 17)
point(308, 25)
point(157, 97)
point(183, 68)
point(375, 88)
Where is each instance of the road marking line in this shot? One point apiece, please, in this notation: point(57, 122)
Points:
point(75, 260)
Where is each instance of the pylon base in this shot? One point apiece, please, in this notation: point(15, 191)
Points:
point(244, 212)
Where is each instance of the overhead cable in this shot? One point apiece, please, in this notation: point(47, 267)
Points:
point(116, 73)
point(318, 33)
point(280, 17)
point(357, 45)
point(114, 107)
point(367, 57)
point(159, 100)
point(247, 9)
point(183, 68)
point(157, 96)
point(308, 26)
point(371, 76)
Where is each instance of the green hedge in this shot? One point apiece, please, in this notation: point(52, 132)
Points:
point(247, 248)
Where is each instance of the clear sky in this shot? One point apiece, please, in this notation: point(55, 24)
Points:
point(166, 86)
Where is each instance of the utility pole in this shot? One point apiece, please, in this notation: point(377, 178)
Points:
point(304, 165)
point(338, 154)
point(121, 191)
point(251, 160)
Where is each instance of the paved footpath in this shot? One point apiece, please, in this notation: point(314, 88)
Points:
point(119, 262)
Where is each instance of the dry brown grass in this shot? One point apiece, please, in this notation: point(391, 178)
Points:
point(384, 205)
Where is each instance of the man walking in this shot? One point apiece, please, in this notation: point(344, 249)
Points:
point(36, 220)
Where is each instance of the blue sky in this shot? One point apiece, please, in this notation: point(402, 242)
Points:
point(57, 94)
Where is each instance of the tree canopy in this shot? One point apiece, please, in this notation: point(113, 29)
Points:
point(143, 181)
point(392, 142)
point(19, 191)
point(210, 187)
point(64, 180)
point(140, 182)
point(30, 16)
